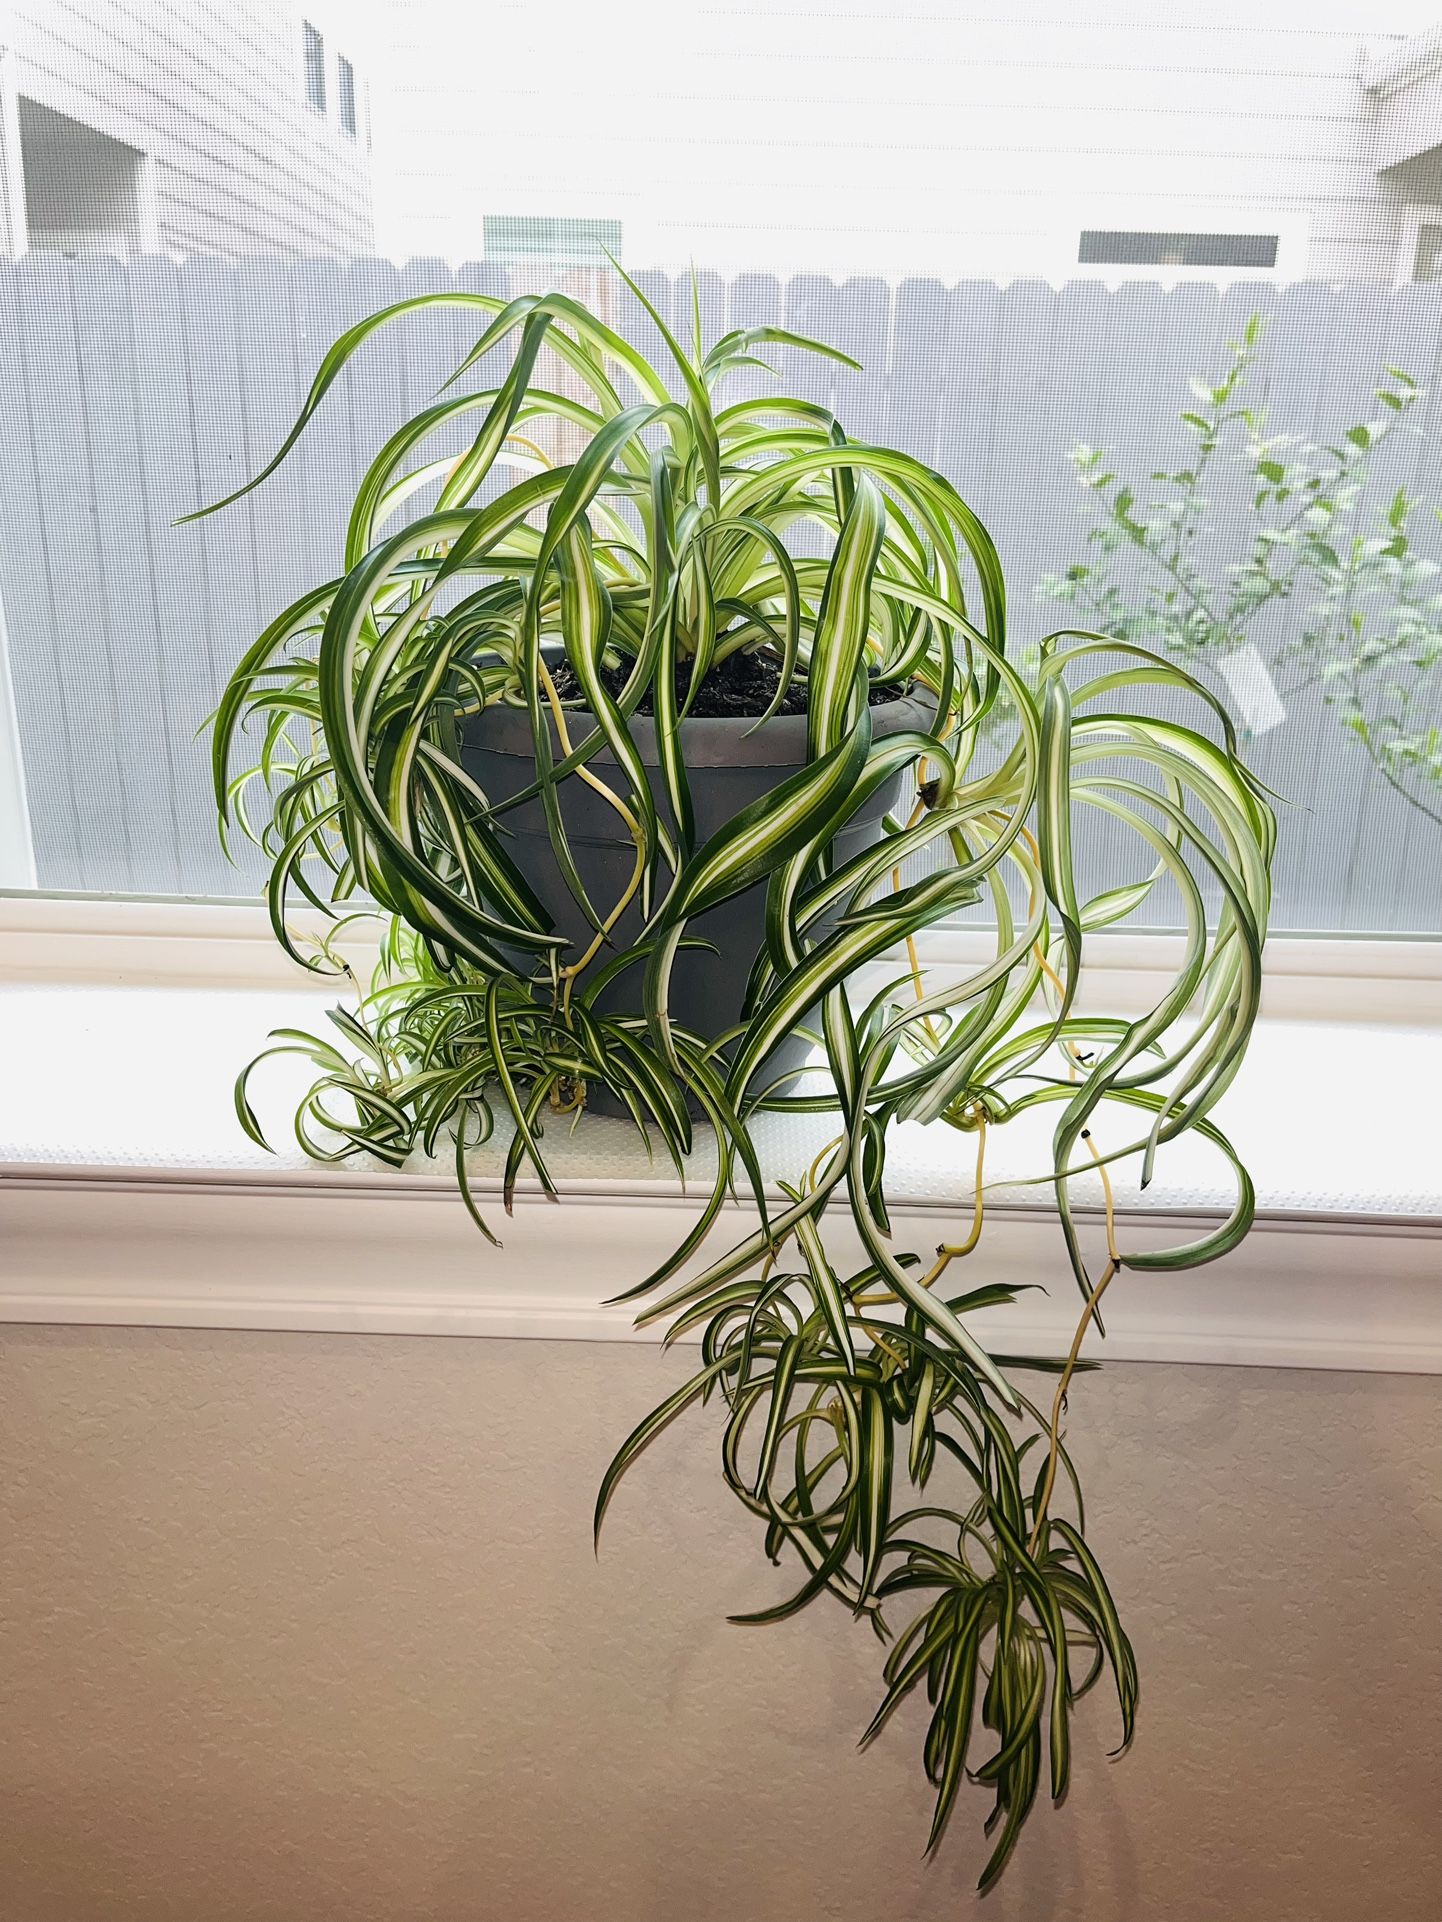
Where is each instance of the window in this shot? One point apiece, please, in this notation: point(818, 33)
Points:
point(345, 90)
point(314, 54)
point(1176, 250)
point(1427, 257)
point(1038, 233)
point(543, 237)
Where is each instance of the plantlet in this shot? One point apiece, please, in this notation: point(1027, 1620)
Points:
point(599, 603)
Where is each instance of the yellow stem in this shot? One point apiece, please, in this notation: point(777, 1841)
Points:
point(558, 714)
point(879, 1340)
point(530, 446)
point(948, 1253)
point(911, 955)
point(1114, 1262)
point(814, 1169)
point(1107, 1196)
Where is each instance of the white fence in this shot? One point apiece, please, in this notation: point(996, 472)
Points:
point(134, 393)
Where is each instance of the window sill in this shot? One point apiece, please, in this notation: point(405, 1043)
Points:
point(127, 1194)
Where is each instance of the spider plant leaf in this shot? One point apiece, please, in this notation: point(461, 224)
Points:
point(586, 622)
point(463, 1183)
point(768, 830)
point(699, 399)
point(646, 1431)
point(334, 360)
point(816, 1582)
point(829, 1294)
point(512, 1099)
point(1054, 839)
point(875, 1507)
point(844, 622)
point(1114, 1638)
point(1020, 1795)
point(462, 923)
point(833, 961)
point(780, 1385)
point(953, 1720)
point(470, 470)
point(258, 660)
point(744, 339)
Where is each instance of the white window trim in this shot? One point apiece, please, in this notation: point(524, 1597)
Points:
point(140, 943)
point(362, 1250)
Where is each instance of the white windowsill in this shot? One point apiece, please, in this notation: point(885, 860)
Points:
point(128, 1194)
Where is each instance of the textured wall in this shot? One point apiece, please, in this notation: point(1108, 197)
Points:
point(309, 1627)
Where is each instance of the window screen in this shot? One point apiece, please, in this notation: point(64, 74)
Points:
point(182, 234)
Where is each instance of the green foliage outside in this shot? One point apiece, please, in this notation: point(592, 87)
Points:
point(1196, 561)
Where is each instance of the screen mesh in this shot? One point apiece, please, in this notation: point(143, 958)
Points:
point(1052, 241)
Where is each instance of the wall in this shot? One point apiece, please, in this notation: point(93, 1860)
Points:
point(213, 92)
point(142, 391)
point(309, 1626)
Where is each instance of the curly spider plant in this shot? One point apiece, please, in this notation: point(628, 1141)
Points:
point(597, 603)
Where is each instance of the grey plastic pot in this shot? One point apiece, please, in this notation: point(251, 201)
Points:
point(729, 765)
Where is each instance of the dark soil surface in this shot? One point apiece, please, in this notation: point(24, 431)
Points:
point(742, 686)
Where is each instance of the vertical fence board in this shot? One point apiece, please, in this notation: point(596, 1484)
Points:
point(753, 300)
point(918, 337)
point(80, 660)
point(126, 615)
point(965, 392)
point(189, 666)
point(862, 328)
point(31, 624)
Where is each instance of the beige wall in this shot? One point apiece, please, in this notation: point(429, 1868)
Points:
point(302, 1628)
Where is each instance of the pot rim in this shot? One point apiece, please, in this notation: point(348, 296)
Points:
point(708, 740)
